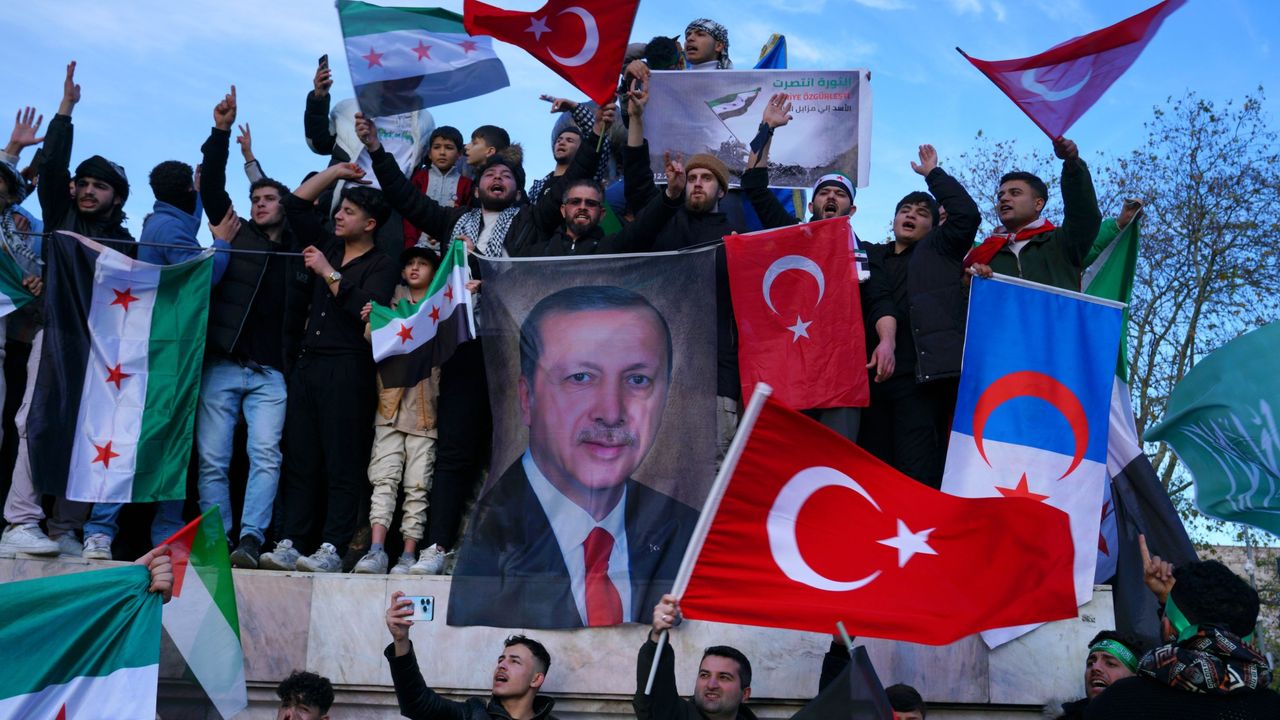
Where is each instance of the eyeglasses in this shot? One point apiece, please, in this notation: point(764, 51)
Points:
point(573, 202)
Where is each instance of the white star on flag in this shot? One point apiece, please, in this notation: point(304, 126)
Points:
point(800, 329)
point(909, 543)
point(537, 26)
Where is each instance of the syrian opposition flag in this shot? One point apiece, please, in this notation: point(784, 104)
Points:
point(13, 294)
point(582, 41)
point(404, 58)
point(796, 302)
point(828, 533)
point(201, 619)
point(410, 339)
point(733, 104)
point(80, 645)
point(1032, 414)
point(1059, 85)
point(115, 396)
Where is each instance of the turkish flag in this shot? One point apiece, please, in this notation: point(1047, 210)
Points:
point(799, 316)
point(583, 41)
point(811, 529)
point(1057, 86)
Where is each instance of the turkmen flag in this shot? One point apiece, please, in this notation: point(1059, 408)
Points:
point(201, 619)
point(80, 645)
point(404, 59)
point(115, 395)
point(13, 294)
point(733, 104)
point(411, 338)
point(1221, 421)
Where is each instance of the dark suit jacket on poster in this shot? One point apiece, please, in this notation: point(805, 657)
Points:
point(511, 574)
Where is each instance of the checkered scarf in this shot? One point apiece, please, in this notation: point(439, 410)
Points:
point(1213, 661)
point(717, 31)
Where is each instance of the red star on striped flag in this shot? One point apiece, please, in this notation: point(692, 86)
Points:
point(123, 298)
point(104, 454)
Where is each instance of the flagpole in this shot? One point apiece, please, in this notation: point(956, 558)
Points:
point(700, 530)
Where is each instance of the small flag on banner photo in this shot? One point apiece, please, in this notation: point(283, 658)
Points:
point(796, 303)
point(114, 404)
point(201, 619)
point(410, 339)
point(733, 104)
point(13, 294)
point(408, 58)
point(1059, 85)
point(1221, 421)
point(80, 645)
point(582, 41)
point(827, 532)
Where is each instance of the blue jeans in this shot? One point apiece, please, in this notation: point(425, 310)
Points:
point(227, 389)
point(104, 519)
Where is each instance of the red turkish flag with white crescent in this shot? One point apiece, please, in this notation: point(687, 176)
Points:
point(1057, 86)
point(812, 530)
point(799, 315)
point(583, 41)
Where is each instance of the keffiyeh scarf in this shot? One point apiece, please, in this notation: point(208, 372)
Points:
point(1213, 661)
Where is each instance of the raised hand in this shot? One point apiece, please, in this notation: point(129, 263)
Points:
point(605, 116)
point(777, 112)
point(666, 615)
point(367, 132)
point(928, 160)
point(25, 127)
point(637, 97)
point(676, 178)
point(322, 81)
point(245, 141)
point(1065, 149)
point(1132, 209)
point(224, 113)
point(559, 104)
point(70, 91)
point(1156, 573)
point(348, 171)
point(398, 614)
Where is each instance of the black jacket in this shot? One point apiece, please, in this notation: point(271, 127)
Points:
point(419, 702)
point(925, 289)
point(1143, 697)
point(233, 297)
point(57, 208)
point(686, 229)
point(665, 703)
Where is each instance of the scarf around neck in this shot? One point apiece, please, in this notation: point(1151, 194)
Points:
point(983, 254)
point(469, 225)
point(1213, 661)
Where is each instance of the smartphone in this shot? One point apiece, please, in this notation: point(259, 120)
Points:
point(324, 60)
point(424, 607)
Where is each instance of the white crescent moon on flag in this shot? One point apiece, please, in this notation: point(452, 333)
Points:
point(781, 526)
point(1030, 84)
point(792, 262)
point(591, 44)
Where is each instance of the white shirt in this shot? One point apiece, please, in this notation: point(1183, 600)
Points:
point(571, 525)
point(489, 218)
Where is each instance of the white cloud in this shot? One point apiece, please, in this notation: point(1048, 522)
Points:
point(997, 9)
point(966, 6)
point(884, 4)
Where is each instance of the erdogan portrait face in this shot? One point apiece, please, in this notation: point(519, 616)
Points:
point(595, 373)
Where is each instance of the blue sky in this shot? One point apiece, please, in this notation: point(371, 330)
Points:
point(152, 71)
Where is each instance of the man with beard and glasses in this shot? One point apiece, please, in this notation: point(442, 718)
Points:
point(566, 537)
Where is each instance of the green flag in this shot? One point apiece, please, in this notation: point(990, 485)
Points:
point(1221, 422)
point(1109, 269)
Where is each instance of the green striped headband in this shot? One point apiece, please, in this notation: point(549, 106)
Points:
point(1118, 651)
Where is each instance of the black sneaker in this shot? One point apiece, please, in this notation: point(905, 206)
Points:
point(246, 553)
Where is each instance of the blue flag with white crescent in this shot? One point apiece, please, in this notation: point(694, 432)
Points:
point(1032, 413)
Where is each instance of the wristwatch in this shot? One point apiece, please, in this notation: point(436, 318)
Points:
point(333, 277)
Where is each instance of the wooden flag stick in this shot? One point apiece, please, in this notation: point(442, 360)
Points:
point(709, 509)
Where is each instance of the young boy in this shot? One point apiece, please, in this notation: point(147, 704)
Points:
point(404, 444)
point(486, 141)
point(439, 178)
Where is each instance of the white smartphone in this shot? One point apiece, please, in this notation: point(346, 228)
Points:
point(424, 607)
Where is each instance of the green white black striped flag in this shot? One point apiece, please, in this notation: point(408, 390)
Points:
point(733, 104)
point(13, 294)
point(404, 59)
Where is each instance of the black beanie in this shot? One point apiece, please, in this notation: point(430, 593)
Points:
point(108, 172)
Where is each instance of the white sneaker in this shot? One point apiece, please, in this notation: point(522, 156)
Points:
point(69, 546)
point(324, 560)
point(374, 563)
point(27, 539)
point(284, 557)
point(97, 547)
point(402, 565)
point(430, 562)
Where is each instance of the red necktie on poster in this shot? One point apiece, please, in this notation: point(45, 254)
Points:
point(583, 41)
point(1059, 85)
point(604, 605)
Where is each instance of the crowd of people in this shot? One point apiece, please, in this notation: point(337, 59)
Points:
point(330, 450)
